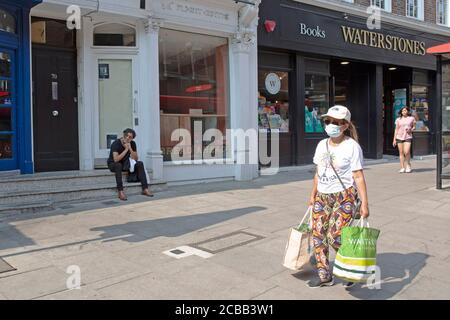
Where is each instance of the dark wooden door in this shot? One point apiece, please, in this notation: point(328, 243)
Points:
point(55, 110)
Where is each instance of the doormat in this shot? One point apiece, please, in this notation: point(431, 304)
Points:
point(5, 266)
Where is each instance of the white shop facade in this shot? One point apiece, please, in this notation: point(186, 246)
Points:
point(154, 66)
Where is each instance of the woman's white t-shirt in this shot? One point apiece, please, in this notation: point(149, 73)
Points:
point(347, 157)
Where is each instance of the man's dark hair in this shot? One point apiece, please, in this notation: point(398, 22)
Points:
point(127, 131)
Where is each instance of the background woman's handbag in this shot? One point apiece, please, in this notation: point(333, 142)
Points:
point(356, 260)
point(299, 248)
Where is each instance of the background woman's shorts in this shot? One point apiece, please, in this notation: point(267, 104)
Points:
point(403, 141)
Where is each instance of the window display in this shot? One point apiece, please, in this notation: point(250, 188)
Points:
point(317, 102)
point(7, 22)
point(273, 101)
point(5, 146)
point(194, 82)
point(419, 107)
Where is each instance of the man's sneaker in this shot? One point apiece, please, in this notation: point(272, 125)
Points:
point(402, 170)
point(349, 285)
point(318, 283)
point(408, 170)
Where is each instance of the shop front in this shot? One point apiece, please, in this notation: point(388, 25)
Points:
point(159, 67)
point(15, 92)
point(311, 58)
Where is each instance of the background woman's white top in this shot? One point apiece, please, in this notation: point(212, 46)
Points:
point(347, 157)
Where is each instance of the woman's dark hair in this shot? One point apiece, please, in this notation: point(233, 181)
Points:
point(127, 131)
point(401, 110)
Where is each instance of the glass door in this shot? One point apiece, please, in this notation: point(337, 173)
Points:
point(8, 130)
point(117, 102)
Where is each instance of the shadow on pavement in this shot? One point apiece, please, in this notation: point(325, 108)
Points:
point(137, 231)
point(143, 230)
point(423, 170)
point(397, 271)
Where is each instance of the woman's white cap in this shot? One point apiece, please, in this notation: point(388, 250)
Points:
point(338, 112)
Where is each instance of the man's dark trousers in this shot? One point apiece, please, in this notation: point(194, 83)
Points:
point(118, 168)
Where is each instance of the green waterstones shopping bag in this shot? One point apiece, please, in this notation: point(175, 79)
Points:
point(357, 257)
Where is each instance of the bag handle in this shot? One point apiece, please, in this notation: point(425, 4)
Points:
point(361, 222)
point(308, 213)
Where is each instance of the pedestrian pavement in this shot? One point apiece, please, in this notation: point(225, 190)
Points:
point(225, 240)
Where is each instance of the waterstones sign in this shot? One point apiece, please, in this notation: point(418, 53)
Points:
point(378, 40)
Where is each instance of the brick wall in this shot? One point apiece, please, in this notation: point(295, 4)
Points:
point(430, 10)
point(399, 7)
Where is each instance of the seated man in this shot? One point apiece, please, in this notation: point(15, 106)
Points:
point(119, 160)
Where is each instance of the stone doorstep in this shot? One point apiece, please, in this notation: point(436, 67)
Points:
point(60, 175)
point(30, 205)
point(53, 190)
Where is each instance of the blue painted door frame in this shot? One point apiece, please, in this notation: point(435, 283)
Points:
point(18, 46)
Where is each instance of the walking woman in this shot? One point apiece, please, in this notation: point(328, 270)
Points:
point(338, 181)
point(404, 126)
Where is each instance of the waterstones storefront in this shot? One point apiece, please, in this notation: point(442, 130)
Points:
point(311, 58)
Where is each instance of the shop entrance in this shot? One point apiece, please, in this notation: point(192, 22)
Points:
point(55, 112)
point(407, 87)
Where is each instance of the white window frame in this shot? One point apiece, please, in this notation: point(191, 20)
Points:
point(387, 5)
point(447, 13)
point(349, 1)
point(420, 10)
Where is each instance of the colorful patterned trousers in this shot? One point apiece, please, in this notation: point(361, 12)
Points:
point(331, 213)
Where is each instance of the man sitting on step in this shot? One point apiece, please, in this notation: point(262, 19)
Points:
point(119, 161)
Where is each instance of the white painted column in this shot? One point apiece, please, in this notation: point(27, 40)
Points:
point(86, 78)
point(244, 98)
point(150, 97)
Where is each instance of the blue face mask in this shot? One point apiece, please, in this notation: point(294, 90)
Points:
point(333, 130)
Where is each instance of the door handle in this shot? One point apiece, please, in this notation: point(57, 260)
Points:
point(55, 113)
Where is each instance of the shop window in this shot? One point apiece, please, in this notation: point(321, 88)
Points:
point(419, 107)
point(273, 102)
point(385, 5)
point(194, 91)
point(114, 35)
point(52, 33)
point(5, 119)
point(5, 92)
point(6, 146)
point(317, 101)
point(5, 65)
point(7, 22)
point(442, 12)
point(414, 9)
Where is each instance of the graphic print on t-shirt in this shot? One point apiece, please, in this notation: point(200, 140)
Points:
point(328, 176)
point(346, 158)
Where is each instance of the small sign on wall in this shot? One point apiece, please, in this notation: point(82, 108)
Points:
point(103, 71)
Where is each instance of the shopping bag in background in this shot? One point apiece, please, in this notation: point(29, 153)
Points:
point(356, 259)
